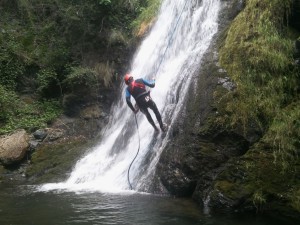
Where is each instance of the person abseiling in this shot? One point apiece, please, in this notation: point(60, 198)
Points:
point(137, 88)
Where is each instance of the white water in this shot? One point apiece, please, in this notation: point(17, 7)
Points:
point(105, 168)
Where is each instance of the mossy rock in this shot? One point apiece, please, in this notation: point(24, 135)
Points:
point(255, 182)
point(53, 162)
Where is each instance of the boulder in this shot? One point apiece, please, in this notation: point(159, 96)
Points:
point(13, 147)
point(40, 134)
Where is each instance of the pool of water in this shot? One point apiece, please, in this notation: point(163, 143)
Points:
point(22, 205)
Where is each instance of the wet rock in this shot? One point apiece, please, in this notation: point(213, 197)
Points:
point(33, 144)
point(188, 167)
point(13, 147)
point(40, 134)
point(231, 9)
point(199, 150)
point(176, 181)
point(226, 83)
point(53, 161)
point(54, 134)
point(255, 183)
point(229, 190)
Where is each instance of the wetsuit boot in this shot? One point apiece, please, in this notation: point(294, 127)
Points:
point(163, 127)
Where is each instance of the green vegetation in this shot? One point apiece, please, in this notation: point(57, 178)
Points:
point(259, 199)
point(284, 134)
point(146, 16)
point(17, 113)
point(50, 47)
point(258, 55)
point(255, 181)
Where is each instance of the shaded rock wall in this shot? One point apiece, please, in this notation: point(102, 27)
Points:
point(295, 17)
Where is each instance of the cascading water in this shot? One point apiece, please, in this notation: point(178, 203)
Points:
point(171, 57)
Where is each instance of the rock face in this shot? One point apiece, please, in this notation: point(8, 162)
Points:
point(13, 147)
point(198, 151)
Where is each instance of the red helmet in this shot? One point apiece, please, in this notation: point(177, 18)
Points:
point(127, 78)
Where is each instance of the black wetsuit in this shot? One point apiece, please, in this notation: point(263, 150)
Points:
point(137, 88)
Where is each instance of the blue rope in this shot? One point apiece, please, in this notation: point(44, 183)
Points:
point(169, 43)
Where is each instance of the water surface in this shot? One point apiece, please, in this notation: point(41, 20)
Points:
point(21, 205)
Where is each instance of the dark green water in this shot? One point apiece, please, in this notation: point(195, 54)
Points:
point(19, 205)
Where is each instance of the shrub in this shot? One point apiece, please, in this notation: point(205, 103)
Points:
point(16, 114)
point(8, 105)
point(147, 14)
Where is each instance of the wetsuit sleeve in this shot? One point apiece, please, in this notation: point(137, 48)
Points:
point(128, 95)
point(149, 83)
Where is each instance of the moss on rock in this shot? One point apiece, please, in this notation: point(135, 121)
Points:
point(255, 182)
point(258, 56)
point(53, 162)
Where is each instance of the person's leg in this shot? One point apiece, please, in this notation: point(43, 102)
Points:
point(148, 116)
point(153, 106)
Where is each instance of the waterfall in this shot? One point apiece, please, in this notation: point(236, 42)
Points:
point(171, 57)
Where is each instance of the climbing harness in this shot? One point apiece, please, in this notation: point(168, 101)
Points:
point(137, 126)
point(169, 43)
